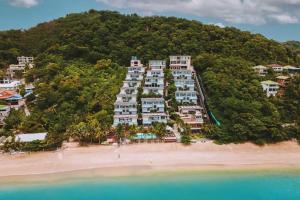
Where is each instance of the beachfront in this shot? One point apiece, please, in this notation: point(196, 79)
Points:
point(141, 158)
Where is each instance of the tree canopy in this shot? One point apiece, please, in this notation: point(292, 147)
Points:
point(80, 63)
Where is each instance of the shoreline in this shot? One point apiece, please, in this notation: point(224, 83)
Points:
point(145, 160)
point(139, 173)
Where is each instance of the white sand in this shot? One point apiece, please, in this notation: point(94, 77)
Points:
point(132, 158)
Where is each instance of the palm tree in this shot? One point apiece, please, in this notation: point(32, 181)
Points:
point(120, 133)
point(133, 129)
point(160, 130)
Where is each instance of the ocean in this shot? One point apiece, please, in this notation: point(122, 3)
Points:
point(200, 185)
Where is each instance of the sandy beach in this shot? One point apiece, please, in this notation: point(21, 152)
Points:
point(140, 158)
point(145, 158)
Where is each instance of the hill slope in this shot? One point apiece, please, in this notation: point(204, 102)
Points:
point(77, 81)
point(94, 35)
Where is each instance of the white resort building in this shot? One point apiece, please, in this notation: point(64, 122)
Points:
point(182, 74)
point(125, 111)
point(180, 62)
point(23, 61)
point(185, 84)
point(157, 64)
point(270, 87)
point(150, 118)
point(154, 82)
point(186, 97)
point(131, 84)
point(153, 110)
point(134, 77)
point(192, 115)
point(153, 105)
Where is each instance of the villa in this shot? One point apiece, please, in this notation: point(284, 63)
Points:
point(131, 76)
point(16, 67)
point(153, 110)
point(123, 97)
point(186, 97)
point(125, 120)
point(135, 62)
point(182, 74)
point(13, 85)
point(25, 60)
point(153, 105)
point(12, 98)
point(270, 87)
point(185, 84)
point(128, 90)
point(180, 62)
point(150, 118)
point(136, 70)
point(192, 115)
point(157, 90)
point(5, 80)
point(131, 84)
point(291, 69)
point(154, 82)
point(276, 68)
point(125, 108)
point(283, 80)
point(29, 88)
point(261, 70)
point(155, 73)
point(157, 64)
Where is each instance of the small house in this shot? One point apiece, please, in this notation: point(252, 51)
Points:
point(270, 87)
point(283, 80)
point(25, 60)
point(13, 85)
point(276, 68)
point(261, 70)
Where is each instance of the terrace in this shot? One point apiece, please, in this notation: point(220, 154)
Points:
point(152, 105)
point(157, 64)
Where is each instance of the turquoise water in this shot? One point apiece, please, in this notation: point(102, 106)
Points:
point(145, 136)
point(200, 186)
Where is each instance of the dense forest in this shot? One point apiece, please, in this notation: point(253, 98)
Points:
point(295, 48)
point(80, 66)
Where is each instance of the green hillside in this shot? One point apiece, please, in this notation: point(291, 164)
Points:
point(80, 63)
